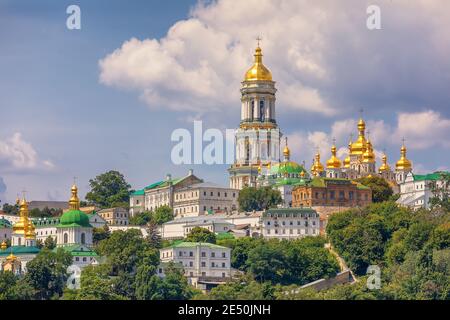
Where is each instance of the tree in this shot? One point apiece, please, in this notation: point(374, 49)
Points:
point(199, 234)
point(50, 243)
point(11, 209)
point(163, 214)
point(381, 190)
point(173, 286)
point(441, 198)
point(258, 199)
point(265, 263)
point(141, 218)
point(47, 273)
point(153, 236)
point(109, 190)
point(14, 288)
point(99, 234)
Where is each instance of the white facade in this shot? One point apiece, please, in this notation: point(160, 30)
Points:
point(199, 259)
point(203, 198)
point(74, 235)
point(180, 228)
point(45, 227)
point(416, 190)
point(290, 223)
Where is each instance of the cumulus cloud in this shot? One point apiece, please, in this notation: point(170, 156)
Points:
point(424, 129)
point(19, 155)
point(321, 54)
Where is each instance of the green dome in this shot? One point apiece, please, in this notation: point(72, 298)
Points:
point(287, 167)
point(74, 218)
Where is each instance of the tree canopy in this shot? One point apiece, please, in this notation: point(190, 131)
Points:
point(199, 234)
point(258, 199)
point(381, 190)
point(108, 190)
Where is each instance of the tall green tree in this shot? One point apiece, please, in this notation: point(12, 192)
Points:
point(381, 190)
point(109, 189)
point(47, 273)
point(162, 215)
point(199, 234)
point(258, 199)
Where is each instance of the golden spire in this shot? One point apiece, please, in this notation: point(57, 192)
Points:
point(3, 245)
point(258, 71)
point(347, 159)
point(384, 166)
point(333, 162)
point(74, 202)
point(317, 167)
point(286, 151)
point(403, 163)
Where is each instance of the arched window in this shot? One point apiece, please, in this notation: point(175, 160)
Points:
point(66, 238)
point(262, 115)
point(83, 238)
point(252, 109)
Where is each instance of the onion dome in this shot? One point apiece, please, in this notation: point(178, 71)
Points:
point(317, 167)
point(258, 72)
point(359, 146)
point(30, 230)
point(21, 226)
point(347, 159)
point(403, 163)
point(3, 246)
point(333, 162)
point(11, 258)
point(74, 217)
point(384, 166)
point(369, 155)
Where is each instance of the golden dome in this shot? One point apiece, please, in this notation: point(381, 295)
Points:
point(258, 71)
point(286, 151)
point(11, 257)
point(359, 146)
point(333, 162)
point(369, 155)
point(384, 166)
point(3, 246)
point(403, 163)
point(317, 167)
point(74, 202)
point(30, 230)
point(21, 226)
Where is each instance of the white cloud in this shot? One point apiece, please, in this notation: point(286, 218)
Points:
point(424, 129)
point(18, 155)
point(320, 53)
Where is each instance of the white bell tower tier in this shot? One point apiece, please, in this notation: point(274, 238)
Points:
point(257, 141)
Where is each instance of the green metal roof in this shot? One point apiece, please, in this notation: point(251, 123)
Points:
point(186, 244)
point(78, 250)
point(431, 176)
point(74, 218)
point(4, 223)
point(19, 250)
point(138, 192)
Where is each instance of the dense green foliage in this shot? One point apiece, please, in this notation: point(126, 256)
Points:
point(99, 234)
point(161, 215)
point(10, 208)
point(108, 190)
point(282, 262)
point(411, 247)
point(199, 234)
point(258, 199)
point(381, 190)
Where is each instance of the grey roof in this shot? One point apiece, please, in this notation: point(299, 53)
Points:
point(49, 204)
point(205, 185)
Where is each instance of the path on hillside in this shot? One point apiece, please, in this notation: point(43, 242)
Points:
point(340, 260)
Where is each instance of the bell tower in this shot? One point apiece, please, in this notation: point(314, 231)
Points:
point(257, 140)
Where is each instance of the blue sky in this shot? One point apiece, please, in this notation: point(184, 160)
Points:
point(81, 102)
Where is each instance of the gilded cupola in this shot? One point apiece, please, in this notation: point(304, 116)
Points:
point(317, 167)
point(384, 165)
point(403, 163)
point(333, 162)
point(74, 202)
point(359, 146)
point(21, 226)
point(369, 155)
point(258, 72)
